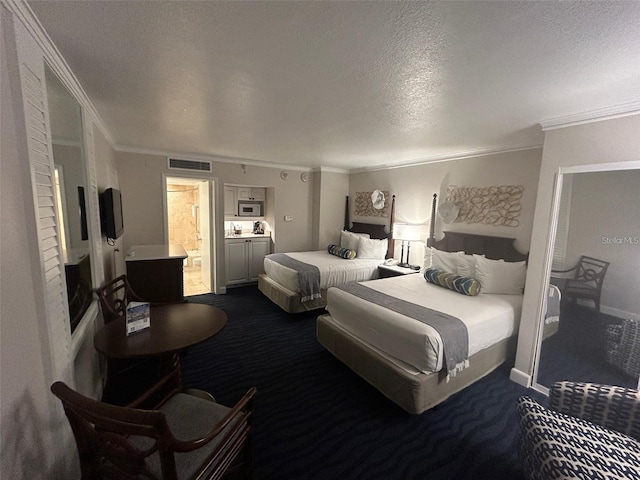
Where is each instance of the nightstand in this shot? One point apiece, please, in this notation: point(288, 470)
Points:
point(386, 271)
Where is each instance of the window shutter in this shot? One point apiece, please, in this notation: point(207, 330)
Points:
point(36, 116)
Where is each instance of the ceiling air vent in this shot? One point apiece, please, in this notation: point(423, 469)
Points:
point(177, 164)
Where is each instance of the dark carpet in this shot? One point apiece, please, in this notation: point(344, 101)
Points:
point(315, 419)
point(577, 351)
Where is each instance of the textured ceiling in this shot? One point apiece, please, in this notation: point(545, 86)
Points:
point(344, 84)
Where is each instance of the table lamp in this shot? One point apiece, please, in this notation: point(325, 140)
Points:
point(407, 233)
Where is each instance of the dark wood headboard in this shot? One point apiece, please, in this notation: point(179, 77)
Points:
point(375, 230)
point(494, 248)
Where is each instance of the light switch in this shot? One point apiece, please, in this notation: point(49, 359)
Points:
point(288, 218)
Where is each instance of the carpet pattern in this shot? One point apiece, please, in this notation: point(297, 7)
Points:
point(315, 419)
point(577, 351)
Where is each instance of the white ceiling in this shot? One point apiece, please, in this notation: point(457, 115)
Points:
point(345, 84)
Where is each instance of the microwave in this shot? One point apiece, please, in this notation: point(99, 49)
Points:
point(250, 209)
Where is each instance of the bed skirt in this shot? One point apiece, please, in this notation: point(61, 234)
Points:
point(415, 393)
point(287, 299)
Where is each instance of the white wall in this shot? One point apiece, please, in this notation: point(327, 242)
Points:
point(330, 194)
point(112, 256)
point(141, 185)
point(414, 188)
point(141, 177)
point(612, 142)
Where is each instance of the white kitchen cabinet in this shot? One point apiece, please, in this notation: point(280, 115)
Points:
point(244, 258)
point(230, 201)
point(258, 194)
point(260, 248)
point(251, 193)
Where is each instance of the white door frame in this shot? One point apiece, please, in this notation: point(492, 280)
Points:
point(215, 223)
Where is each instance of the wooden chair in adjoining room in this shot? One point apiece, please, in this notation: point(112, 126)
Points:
point(587, 280)
point(184, 437)
point(128, 379)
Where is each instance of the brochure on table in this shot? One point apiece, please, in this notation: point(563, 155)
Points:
point(138, 316)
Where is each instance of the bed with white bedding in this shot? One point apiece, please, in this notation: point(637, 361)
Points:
point(414, 346)
point(333, 270)
point(281, 282)
point(403, 357)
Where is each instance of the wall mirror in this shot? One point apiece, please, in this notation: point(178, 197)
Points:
point(585, 339)
point(70, 181)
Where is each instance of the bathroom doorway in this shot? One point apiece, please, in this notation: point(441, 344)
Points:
point(189, 221)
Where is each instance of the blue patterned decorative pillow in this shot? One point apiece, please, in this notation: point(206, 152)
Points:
point(341, 252)
point(457, 283)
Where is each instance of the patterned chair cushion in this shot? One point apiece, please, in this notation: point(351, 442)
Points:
point(554, 445)
point(457, 283)
point(623, 346)
point(341, 252)
point(611, 406)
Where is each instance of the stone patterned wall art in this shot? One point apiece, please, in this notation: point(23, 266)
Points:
point(499, 206)
point(364, 207)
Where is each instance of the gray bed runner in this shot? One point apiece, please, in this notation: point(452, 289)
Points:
point(308, 275)
point(453, 332)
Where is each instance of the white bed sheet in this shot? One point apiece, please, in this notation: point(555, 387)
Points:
point(334, 271)
point(413, 345)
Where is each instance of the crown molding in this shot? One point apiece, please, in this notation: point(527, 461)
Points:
point(212, 158)
point(608, 113)
point(22, 12)
point(445, 158)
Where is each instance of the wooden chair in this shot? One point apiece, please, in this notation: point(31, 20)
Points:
point(114, 297)
point(126, 380)
point(185, 437)
point(587, 280)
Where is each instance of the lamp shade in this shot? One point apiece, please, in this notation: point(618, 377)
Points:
point(409, 231)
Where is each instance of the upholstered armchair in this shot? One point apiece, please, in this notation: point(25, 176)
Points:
point(588, 431)
point(623, 346)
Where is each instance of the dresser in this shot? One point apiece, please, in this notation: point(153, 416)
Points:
point(155, 272)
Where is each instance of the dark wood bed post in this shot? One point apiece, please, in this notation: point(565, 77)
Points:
point(432, 223)
point(346, 215)
point(392, 218)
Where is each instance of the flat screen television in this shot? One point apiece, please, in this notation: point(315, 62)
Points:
point(111, 213)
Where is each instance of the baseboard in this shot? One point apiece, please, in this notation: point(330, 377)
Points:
point(616, 312)
point(520, 377)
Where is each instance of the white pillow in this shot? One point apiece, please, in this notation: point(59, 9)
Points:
point(372, 248)
point(445, 261)
point(498, 276)
point(467, 265)
point(427, 259)
point(350, 240)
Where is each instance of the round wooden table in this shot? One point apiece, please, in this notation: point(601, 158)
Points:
point(173, 328)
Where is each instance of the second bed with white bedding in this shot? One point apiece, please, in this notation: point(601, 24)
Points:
point(333, 270)
point(415, 346)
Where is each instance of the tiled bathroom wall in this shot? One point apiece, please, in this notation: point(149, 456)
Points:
point(182, 205)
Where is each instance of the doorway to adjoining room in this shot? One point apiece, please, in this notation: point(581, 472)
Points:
point(189, 225)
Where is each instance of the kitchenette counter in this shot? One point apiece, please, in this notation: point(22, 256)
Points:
point(248, 235)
